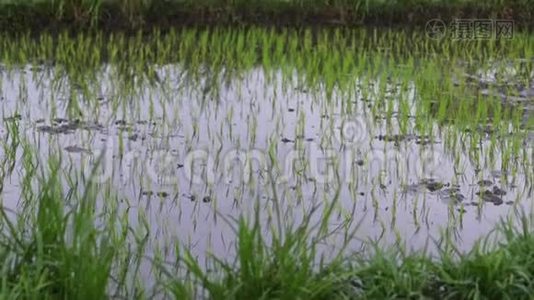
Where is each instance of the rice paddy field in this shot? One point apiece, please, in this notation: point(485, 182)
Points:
point(258, 163)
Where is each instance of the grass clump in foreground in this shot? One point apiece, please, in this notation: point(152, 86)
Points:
point(55, 248)
point(135, 13)
point(67, 245)
point(287, 271)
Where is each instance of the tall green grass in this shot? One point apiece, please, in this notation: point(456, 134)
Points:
point(56, 243)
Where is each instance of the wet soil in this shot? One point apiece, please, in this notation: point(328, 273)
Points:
point(165, 14)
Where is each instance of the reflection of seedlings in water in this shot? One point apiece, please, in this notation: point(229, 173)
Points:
point(390, 138)
point(286, 140)
point(190, 197)
point(60, 120)
point(497, 201)
point(423, 140)
point(432, 185)
point(488, 129)
point(15, 117)
point(498, 191)
point(301, 89)
point(412, 188)
point(206, 199)
point(65, 126)
point(359, 162)
point(489, 196)
point(147, 193)
point(91, 126)
point(485, 183)
point(77, 149)
point(496, 174)
point(397, 138)
point(452, 195)
point(54, 129)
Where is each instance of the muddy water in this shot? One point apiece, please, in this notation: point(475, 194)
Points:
point(186, 161)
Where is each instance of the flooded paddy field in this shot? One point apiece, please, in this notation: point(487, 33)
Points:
point(170, 143)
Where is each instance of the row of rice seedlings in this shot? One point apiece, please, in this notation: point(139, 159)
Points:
point(389, 118)
point(192, 60)
point(215, 46)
